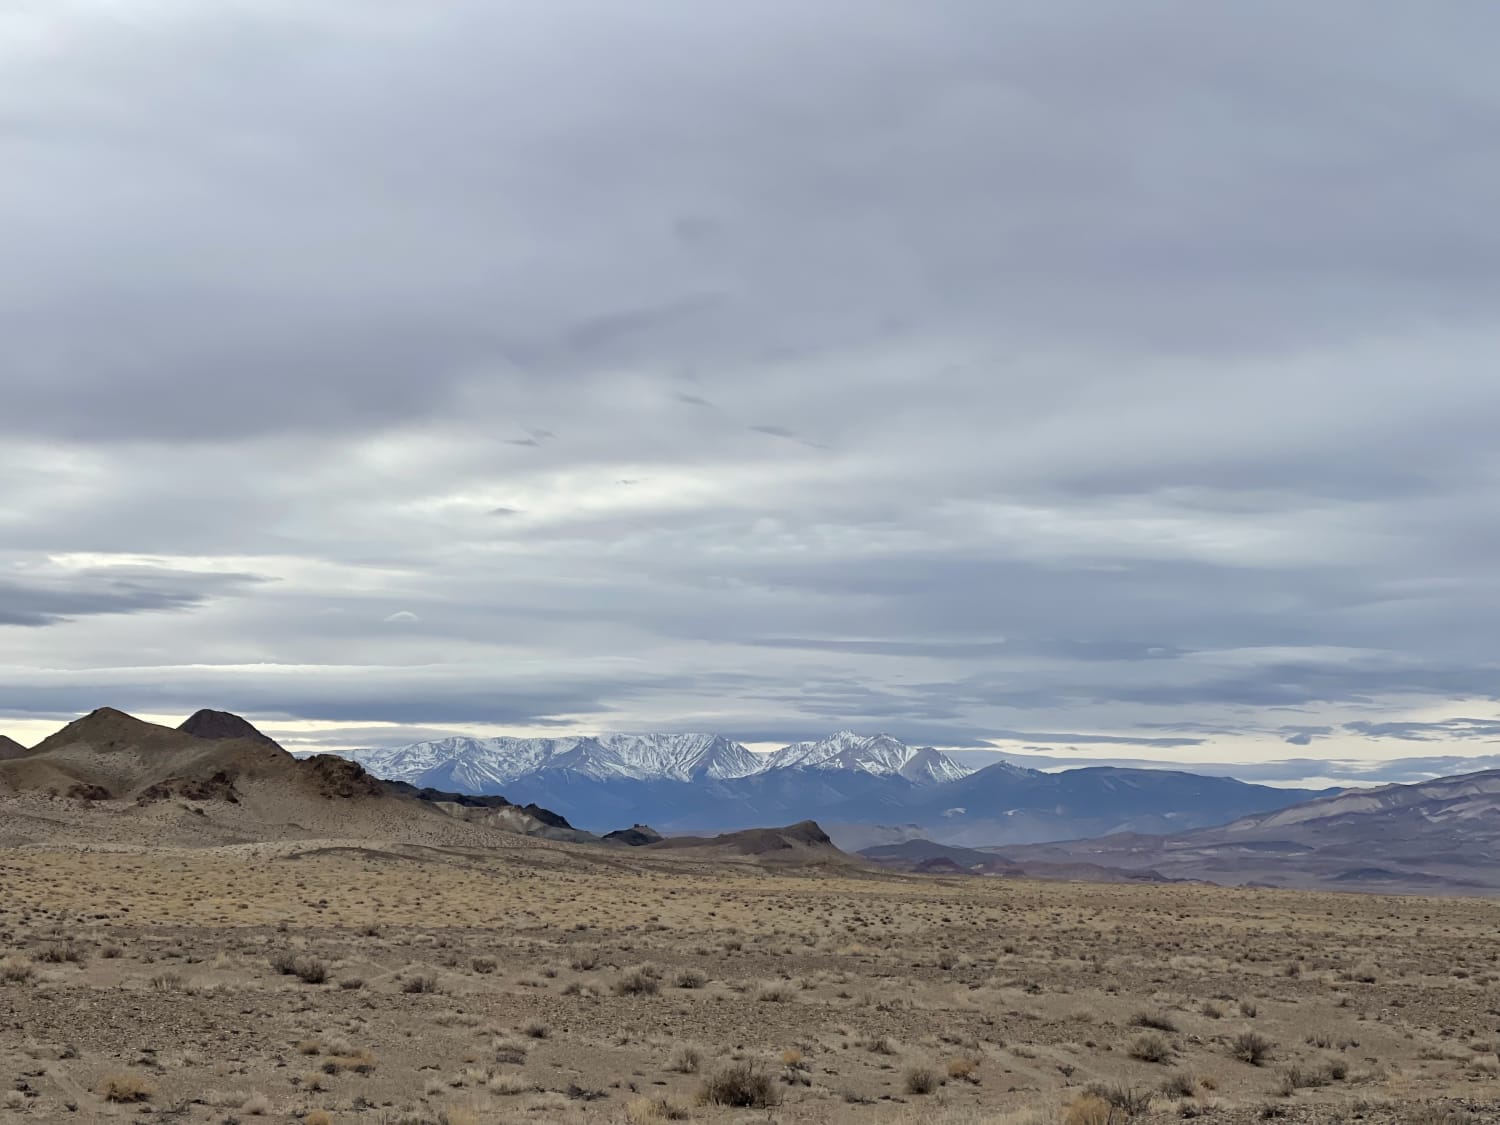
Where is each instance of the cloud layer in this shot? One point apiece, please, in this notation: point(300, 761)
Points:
point(959, 370)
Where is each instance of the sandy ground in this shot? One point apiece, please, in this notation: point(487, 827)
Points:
point(560, 984)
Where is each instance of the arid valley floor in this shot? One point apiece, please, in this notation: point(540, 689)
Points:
point(556, 983)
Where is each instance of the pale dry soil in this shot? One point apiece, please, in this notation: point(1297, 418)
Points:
point(555, 984)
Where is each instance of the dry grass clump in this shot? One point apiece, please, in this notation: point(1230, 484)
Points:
point(691, 978)
point(317, 1117)
point(16, 970)
point(685, 1059)
point(963, 1069)
point(124, 1086)
point(650, 1111)
point(740, 1085)
point(256, 1105)
point(483, 964)
point(1088, 1109)
point(774, 992)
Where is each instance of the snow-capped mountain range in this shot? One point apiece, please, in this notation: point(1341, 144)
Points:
point(478, 765)
point(707, 783)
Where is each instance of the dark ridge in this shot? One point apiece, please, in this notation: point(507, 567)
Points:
point(221, 725)
point(760, 841)
point(472, 801)
point(10, 748)
point(635, 837)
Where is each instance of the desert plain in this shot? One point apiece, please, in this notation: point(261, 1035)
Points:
point(350, 982)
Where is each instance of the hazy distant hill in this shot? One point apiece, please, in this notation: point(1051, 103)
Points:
point(1434, 835)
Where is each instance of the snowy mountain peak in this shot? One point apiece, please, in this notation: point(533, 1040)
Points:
point(684, 757)
point(487, 765)
point(878, 754)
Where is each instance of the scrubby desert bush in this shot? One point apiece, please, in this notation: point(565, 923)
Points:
point(306, 968)
point(640, 981)
point(691, 978)
point(1180, 1085)
point(1127, 1099)
point(685, 1059)
point(62, 952)
point(420, 983)
point(1151, 1048)
point(1160, 1021)
point(16, 970)
point(920, 1080)
point(1250, 1047)
point(740, 1085)
point(483, 964)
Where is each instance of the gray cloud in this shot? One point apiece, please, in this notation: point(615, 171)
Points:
point(1131, 373)
point(1444, 730)
point(48, 596)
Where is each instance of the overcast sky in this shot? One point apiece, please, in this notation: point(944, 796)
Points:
point(1111, 380)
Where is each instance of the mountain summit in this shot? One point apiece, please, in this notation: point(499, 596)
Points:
point(219, 725)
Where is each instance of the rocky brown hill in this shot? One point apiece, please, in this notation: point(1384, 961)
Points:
point(110, 777)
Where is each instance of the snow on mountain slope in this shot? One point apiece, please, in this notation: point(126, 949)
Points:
point(468, 765)
point(879, 754)
point(486, 765)
point(479, 765)
point(684, 757)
